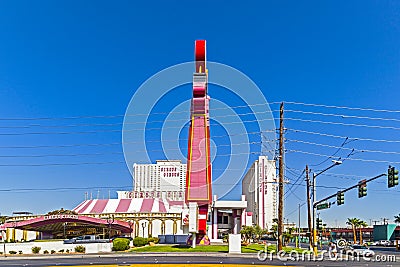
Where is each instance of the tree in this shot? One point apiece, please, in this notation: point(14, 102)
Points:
point(274, 230)
point(247, 233)
point(397, 218)
point(361, 224)
point(288, 234)
point(353, 222)
point(258, 232)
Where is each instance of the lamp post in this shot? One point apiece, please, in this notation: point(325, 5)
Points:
point(130, 227)
point(4, 242)
point(335, 163)
point(144, 224)
point(110, 221)
point(64, 225)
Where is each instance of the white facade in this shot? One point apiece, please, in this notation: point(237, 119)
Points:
point(259, 185)
point(166, 178)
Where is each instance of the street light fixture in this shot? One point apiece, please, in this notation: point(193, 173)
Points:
point(65, 225)
point(144, 224)
point(110, 221)
point(130, 227)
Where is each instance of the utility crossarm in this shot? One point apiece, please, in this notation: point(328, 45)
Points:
point(347, 189)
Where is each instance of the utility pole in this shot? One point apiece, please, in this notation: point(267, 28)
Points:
point(310, 230)
point(280, 205)
point(298, 231)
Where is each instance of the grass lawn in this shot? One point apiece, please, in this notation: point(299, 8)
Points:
point(253, 248)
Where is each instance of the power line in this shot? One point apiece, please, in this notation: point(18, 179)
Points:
point(343, 115)
point(346, 124)
point(125, 115)
point(341, 136)
point(344, 148)
point(342, 107)
point(105, 153)
point(356, 159)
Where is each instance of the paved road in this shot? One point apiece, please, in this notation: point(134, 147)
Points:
point(218, 259)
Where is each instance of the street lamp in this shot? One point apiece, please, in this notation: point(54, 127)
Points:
point(144, 224)
point(335, 163)
point(130, 227)
point(4, 242)
point(65, 225)
point(110, 221)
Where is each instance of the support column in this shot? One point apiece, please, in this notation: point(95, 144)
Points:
point(136, 228)
point(243, 218)
point(25, 235)
point(174, 227)
point(150, 228)
point(234, 217)
point(163, 227)
point(215, 224)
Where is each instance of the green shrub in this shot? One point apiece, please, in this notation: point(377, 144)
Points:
point(20, 252)
point(12, 252)
point(140, 241)
point(80, 249)
point(67, 251)
point(155, 240)
point(52, 251)
point(35, 250)
point(120, 244)
point(46, 252)
point(61, 250)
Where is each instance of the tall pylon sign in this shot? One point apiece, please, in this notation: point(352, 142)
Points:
point(198, 176)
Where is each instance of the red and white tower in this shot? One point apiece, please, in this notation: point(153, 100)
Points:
point(198, 176)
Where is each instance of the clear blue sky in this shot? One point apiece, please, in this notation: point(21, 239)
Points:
point(73, 58)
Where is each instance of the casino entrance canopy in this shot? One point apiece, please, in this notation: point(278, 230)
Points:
point(56, 225)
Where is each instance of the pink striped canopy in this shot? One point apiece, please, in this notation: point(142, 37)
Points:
point(134, 205)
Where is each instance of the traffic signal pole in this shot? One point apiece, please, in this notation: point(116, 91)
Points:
point(347, 189)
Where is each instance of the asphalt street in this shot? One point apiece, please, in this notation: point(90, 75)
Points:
point(218, 259)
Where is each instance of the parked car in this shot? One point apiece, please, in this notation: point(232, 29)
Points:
point(385, 243)
point(85, 239)
point(357, 250)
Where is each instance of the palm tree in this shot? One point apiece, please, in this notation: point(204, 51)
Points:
point(361, 224)
point(247, 233)
point(397, 218)
point(353, 222)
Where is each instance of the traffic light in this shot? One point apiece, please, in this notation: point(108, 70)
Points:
point(340, 198)
point(319, 224)
point(362, 188)
point(393, 177)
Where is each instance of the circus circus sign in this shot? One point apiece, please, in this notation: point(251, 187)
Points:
point(60, 216)
point(169, 171)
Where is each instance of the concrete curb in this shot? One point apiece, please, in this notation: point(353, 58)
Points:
point(130, 254)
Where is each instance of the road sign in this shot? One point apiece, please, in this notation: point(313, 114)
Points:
point(323, 206)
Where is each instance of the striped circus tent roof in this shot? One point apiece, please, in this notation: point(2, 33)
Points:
point(133, 205)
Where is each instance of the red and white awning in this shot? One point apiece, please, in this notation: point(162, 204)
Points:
point(134, 205)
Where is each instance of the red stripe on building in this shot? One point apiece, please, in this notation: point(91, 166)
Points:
point(99, 206)
point(175, 203)
point(84, 207)
point(147, 205)
point(123, 205)
point(161, 207)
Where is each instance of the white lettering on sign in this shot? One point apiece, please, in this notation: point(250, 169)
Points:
point(60, 216)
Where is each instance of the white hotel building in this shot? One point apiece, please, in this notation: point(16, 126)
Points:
point(259, 185)
point(166, 179)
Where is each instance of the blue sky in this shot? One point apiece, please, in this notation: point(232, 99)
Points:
point(72, 58)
